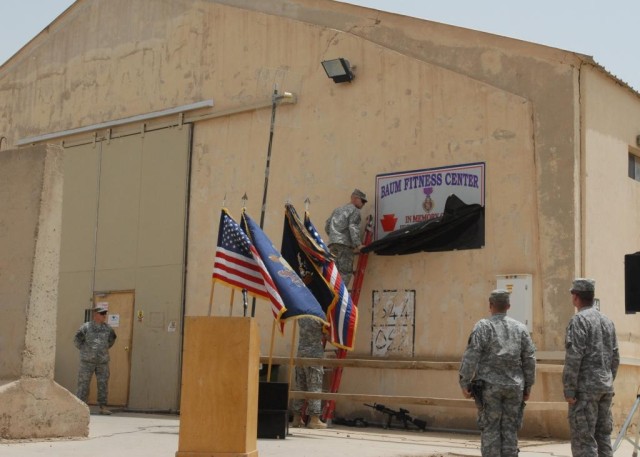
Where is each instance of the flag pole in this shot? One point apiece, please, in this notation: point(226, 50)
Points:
point(273, 332)
point(231, 302)
point(293, 340)
point(244, 291)
point(213, 283)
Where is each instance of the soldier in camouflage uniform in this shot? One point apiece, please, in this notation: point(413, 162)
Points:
point(309, 379)
point(94, 338)
point(498, 368)
point(590, 366)
point(343, 228)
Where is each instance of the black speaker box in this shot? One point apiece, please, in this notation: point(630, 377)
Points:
point(273, 424)
point(273, 395)
point(273, 403)
point(632, 283)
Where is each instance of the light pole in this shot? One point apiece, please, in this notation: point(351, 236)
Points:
point(276, 98)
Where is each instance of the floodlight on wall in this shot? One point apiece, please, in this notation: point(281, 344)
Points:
point(339, 70)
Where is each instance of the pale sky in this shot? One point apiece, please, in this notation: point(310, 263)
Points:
point(607, 30)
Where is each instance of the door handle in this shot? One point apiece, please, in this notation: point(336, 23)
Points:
point(126, 348)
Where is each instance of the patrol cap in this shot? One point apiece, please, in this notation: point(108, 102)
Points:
point(583, 285)
point(101, 308)
point(499, 296)
point(361, 195)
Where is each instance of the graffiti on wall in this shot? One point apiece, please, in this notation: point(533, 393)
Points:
point(393, 323)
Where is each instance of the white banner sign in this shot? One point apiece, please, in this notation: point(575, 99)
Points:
point(415, 196)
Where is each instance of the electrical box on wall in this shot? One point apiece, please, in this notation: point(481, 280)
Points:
point(521, 290)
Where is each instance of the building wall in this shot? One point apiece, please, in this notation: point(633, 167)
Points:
point(338, 137)
point(184, 59)
point(612, 212)
point(611, 215)
point(547, 77)
point(425, 95)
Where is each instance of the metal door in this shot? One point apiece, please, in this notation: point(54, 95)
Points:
point(124, 229)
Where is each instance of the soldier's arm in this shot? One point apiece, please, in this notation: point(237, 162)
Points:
point(466, 393)
point(574, 347)
point(354, 229)
point(112, 337)
point(528, 356)
point(470, 360)
point(79, 338)
point(615, 361)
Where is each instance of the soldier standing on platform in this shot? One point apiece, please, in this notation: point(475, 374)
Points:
point(309, 379)
point(94, 338)
point(498, 369)
point(590, 367)
point(343, 228)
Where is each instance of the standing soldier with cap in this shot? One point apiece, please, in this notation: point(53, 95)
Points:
point(94, 338)
point(343, 228)
point(498, 369)
point(590, 367)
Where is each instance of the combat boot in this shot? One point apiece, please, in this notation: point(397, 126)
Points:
point(104, 411)
point(315, 422)
point(297, 421)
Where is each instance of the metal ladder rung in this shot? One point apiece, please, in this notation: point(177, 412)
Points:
point(623, 430)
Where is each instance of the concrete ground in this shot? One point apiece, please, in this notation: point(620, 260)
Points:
point(148, 435)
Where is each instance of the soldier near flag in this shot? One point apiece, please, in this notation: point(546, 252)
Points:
point(343, 228)
point(309, 379)
point(306, 252)
point(498, 369)
point(590, 367)
point(94, 338)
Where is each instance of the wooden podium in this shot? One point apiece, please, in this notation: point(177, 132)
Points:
point(219, 397)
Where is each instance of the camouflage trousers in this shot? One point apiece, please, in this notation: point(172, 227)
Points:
point(344, 261)
point(309, 379)
point(499, 420)
point(102, 380)
point(591, 424)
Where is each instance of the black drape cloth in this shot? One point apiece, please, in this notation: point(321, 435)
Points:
point(461, 226)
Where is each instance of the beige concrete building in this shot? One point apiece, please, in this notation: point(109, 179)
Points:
point(163, 110)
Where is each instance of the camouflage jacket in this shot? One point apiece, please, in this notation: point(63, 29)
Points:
point(310, 338)
point(94, 341)
point(592, 358)
point(343, 227)
point(500, 351)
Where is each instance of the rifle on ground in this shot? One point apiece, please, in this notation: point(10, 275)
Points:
point(402, 415)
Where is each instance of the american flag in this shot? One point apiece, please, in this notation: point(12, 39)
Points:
point(238, 265)
point(342, 314)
